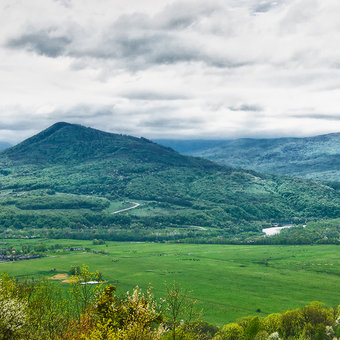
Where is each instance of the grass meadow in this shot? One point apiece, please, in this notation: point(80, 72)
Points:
point(228, 281)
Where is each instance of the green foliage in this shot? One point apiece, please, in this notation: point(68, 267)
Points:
point(272, 322)
point(315, 321)
point(199, 330)
point(179, 309)
point(320, 232)
point(13, 310)
point(32, 310)
point(316, 313)
point(48, 315)
point(60, 202)
point(39, 310)
point(97, 242)
point(292, 323)
point(253, 328)
point(74, 270)
point(262, 335)
point(135, 316)
point(85, 285)
point(232, 331)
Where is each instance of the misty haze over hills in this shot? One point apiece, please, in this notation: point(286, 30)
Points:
point(310, 157)
point(4, 145)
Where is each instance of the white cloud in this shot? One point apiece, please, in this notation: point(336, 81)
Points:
point(171, 68)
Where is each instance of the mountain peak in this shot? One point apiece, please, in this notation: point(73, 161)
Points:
point(72, 144)
point(60, 125)
point(55, 127)
point(63, 142)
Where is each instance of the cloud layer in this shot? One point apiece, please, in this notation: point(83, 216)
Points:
point(193, 69)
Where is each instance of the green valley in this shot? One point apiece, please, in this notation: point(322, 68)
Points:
point(228, 281)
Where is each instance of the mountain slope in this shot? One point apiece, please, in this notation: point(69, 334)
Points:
point(313, 157)
point(69, 144)
point(40, 177)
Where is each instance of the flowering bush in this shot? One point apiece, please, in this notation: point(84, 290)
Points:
point(135, 316)
point(13, 311)
point(274, 336)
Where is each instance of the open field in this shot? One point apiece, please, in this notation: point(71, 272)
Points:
point(228, 281)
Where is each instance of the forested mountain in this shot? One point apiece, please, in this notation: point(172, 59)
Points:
point(100, 169)
point(312, 157)
point(70, 144)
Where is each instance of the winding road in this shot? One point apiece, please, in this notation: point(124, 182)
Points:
point(135, 205)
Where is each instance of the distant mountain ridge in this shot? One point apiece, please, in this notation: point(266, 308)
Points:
point(310, 157)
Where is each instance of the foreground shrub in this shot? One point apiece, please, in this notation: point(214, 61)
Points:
point(135, 316)
point(232, 331)
point(38, 310)
point(31, 310)
point(13, 310)
point(197, 330)
point(272, 323)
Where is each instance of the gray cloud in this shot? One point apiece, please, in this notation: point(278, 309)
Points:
point(153, 95)
point(81, 112)
point(171, 68)
point(172, 123)
point(265, 6)
point(331, 117)
point(18, 125)
point(246, 108)
point(33, 122)
point(136, 41)
point(136, 47)
point(66, 3)
point(41, 42)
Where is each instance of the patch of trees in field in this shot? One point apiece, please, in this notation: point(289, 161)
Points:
point(124, 227)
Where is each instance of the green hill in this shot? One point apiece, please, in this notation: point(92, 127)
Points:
point(71, 178)
point(68, 144)
point(313, 157)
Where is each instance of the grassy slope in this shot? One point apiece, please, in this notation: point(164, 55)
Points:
point(228, 281)
point(74, 159)
point(312, 157)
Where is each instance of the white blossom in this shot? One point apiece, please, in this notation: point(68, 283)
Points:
point(337, 321)
point(274, 336)
point(12, 314)
point(329, 331)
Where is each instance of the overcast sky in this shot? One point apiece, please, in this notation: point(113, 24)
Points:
point(171, 69)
